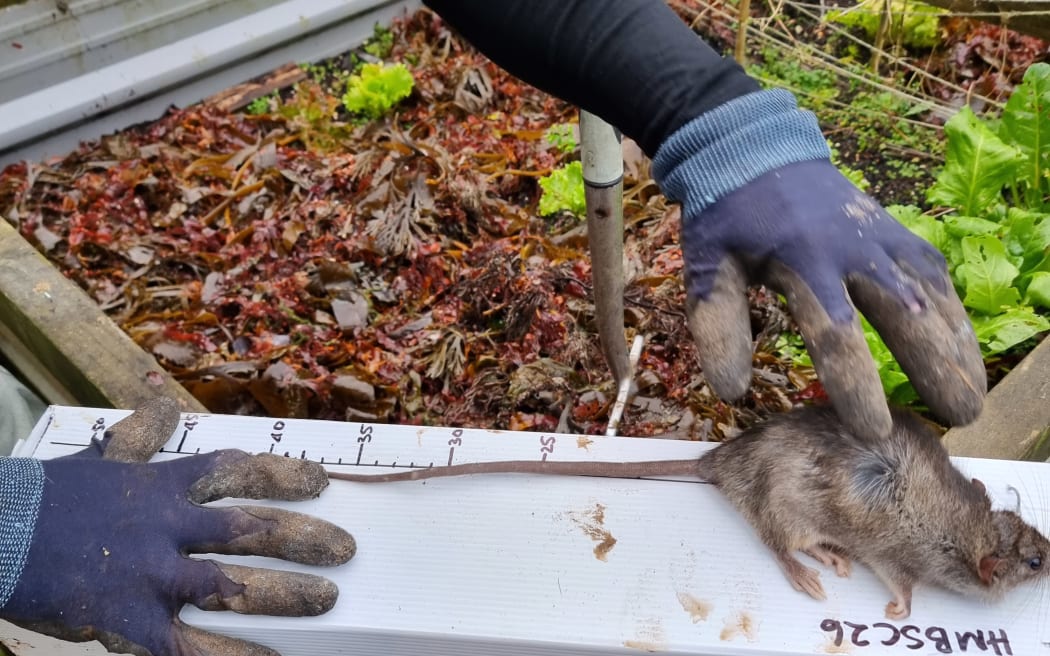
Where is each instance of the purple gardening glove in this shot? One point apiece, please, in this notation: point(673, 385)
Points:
point(762, 203)
point(95, 545)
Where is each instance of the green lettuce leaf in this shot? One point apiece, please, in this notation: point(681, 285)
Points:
point(978, 164)
point(563, 190)
point(377, 88)
point(1026, 124)
point(988, 275)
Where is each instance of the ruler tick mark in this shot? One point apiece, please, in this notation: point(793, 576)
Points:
point(185, 434)
point(451, 453)
point(360, 451)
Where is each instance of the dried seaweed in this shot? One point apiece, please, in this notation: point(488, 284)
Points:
point(300, 263)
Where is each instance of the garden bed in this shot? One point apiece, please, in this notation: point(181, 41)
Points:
point(293, 258)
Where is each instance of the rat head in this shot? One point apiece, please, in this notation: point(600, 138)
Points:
point(1022, 555)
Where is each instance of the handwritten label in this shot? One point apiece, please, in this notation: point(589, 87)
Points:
point(910, 636)
point(546, 445)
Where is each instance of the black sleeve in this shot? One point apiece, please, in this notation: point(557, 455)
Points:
point(634, 63)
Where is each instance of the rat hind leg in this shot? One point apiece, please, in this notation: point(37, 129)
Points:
point(784, 539)
point(802, 578)
point(830, 556)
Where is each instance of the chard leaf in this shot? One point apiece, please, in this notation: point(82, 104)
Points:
point(988, 275)
point(964, 226)
point(895, 383)
point(977, 166)
point(1000, 333)
point(1026, 124)
point(924, 225)
point(1028, 236)
point(1038, 292)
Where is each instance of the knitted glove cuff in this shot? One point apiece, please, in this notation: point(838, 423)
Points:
point(731, 145)
point(21, 488)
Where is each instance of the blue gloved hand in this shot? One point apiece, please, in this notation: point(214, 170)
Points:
point(95, 545)
point(762, 203)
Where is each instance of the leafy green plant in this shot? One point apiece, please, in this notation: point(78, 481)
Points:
point(260, 105)
point(376, 88)
point(874, 114)
point(816, 86)
point(381, 42)
point(562, 137)
point(563, 190)
point(997, 236)
point(895, 383)
point(855, 176)
point(912, 23)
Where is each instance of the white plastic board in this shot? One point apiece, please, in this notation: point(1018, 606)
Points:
point(537, 565)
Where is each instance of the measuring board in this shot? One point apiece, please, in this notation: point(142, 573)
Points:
point(541, 565)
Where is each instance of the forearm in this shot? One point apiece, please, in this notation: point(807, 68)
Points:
point(634, 63)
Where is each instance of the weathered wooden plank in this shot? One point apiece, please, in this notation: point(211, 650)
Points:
point(1015, 423)
point(60, 331)
point(1030, 17)
point(236, 97)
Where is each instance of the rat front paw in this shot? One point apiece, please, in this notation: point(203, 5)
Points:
point(897, 610)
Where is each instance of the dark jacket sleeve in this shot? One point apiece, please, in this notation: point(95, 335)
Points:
point(634, 63)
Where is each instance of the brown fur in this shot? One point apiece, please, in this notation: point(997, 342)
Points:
point(895, 504)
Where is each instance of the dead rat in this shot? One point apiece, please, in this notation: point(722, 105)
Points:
point(805, 483)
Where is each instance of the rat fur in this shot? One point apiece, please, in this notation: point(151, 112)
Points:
point(896, 504)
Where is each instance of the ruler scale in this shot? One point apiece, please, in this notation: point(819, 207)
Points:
point(543, 565)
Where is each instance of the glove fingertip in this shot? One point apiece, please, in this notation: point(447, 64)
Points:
point(191, 640)
point(721, 327)
point(936, 348)
point(845, 367)
point(137, 437)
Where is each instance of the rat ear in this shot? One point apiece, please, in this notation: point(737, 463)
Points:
point(982, 490)
point(986, 568)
